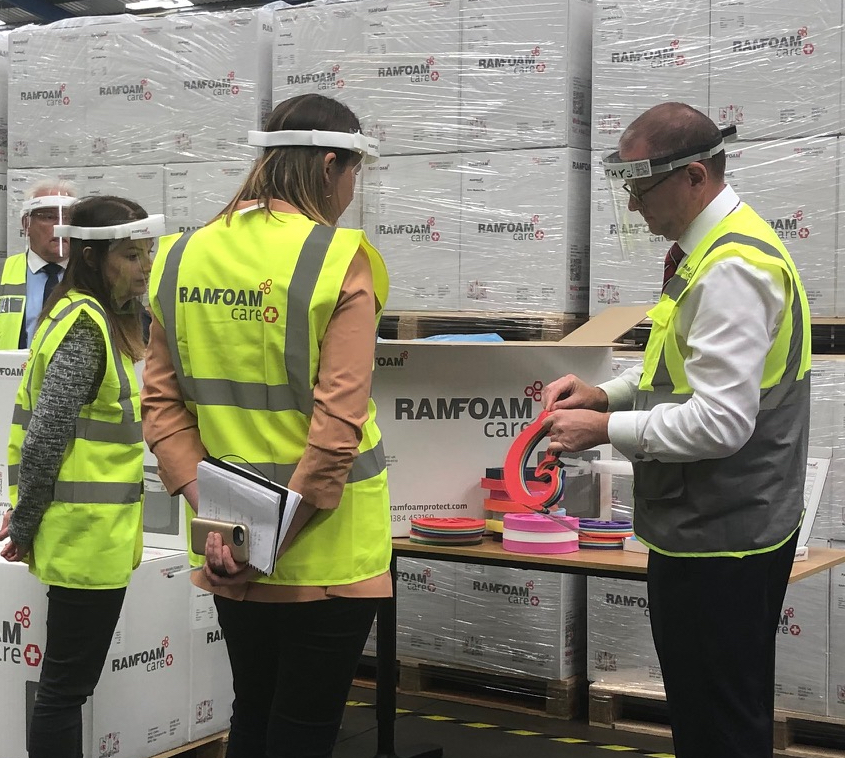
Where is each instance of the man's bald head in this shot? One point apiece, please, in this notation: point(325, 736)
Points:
point(673, 129)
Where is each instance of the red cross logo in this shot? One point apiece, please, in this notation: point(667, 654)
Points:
point(539, 234)
point(148, 96)
point(435, 237)
point(435, 76)
point(270, 314)
point(680, 60)
point(541, 67)
point(795, 630)
point(808, 48)
point(431, 588)
point(235, 89)
point(32, 654)
point(65, 101)
point(340, 83)
point(803, 232)
point(169, 660)
point(535, 600)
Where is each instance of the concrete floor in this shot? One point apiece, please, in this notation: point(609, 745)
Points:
point(466, 731)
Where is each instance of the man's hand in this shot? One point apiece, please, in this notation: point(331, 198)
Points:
point(571, 431)
point(4, 525)
point(570, 392)
point(220, 568)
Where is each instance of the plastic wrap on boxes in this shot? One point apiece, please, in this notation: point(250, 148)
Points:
point(767, 58)
point(222, 78)
point(425, 610)
point(4, 100)
point(3, 209)
point(836, 640)
point(790, 183)
point(802, 647)
point(515, 621)
point(620, 649)
point(525, 74)
point(645, 53)
point(196, 192)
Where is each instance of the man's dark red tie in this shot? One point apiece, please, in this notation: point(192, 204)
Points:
point(670, 265)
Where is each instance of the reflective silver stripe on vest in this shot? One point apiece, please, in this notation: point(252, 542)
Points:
point(367, 465)
point(303, 284)
point(105, 493)
point(91, 429)
point(14, 471)
point(770, 397)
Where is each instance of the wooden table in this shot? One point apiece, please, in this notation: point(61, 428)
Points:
point(617, 564)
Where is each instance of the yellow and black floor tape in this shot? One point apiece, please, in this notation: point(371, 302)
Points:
point(520, 732)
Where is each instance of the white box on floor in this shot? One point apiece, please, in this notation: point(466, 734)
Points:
point(520, 622)
point(803, 211)
point(211, 675)
point(626, 259)
point(412, 211)
point(525, 230)
point(645, 53)
point(223, 76)
point(23, 639)
point(802, 645)
point(142, 700)
point(525, 75)
point(425, 610)
point(836, 637)
point(196, 192)
point(620, 648)
point(766, 60)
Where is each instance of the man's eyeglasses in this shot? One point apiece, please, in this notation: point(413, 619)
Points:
point(638, 194)
point(47, 217)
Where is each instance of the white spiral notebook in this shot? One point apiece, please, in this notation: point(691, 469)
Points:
point(235, 494)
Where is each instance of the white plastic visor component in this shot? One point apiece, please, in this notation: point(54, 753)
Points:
point(357, 142)
point(145, 228)
point(46, 201)
point(617, 169)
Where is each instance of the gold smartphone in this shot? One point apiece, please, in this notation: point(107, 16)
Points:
point(236, 536)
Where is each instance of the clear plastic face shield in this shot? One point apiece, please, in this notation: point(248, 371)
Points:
point(40, 215)
point(132, 243)
point(356, 142)
point(632, 186)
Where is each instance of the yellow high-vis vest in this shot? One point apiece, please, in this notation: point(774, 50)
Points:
point(12, 301)
point(92, 532)
point(245, 309)
point(751, 501)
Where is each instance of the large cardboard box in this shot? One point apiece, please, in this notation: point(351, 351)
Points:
point(426, 599)
point(520, 622)
point(485, 395)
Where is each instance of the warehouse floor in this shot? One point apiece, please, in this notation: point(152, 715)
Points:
point(465, 731)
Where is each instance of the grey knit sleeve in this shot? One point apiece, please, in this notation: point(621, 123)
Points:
point(72, 379)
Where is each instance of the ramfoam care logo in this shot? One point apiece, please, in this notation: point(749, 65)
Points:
point(244, 305)
point(790, 227)
point(415, 232)
point(788, 624)
point(627, 601)
point(55, 96)
point(215, 87)
point(417, 581)
point(132, 92)
point(529, 63)
point(5, 370)
point(14, 649)
point(499, 416)
point(392, 361)
point(636, 229)
point(518, 230)
point(414, 72)
point(153, 659)
point(215, 635)
point(321, 80)
point(655, 57)
point(791, 45)
point(516, 594)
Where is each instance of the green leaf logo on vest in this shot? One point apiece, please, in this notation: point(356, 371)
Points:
point(243, 304)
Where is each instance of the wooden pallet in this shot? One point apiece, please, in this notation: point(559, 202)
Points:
point(562, 699)
point(207, 747)
point(629, 707)
point(805, 735)
point(410, 325)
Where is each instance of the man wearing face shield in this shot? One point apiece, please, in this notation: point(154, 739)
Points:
point(28, 279)
point(716, 424)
